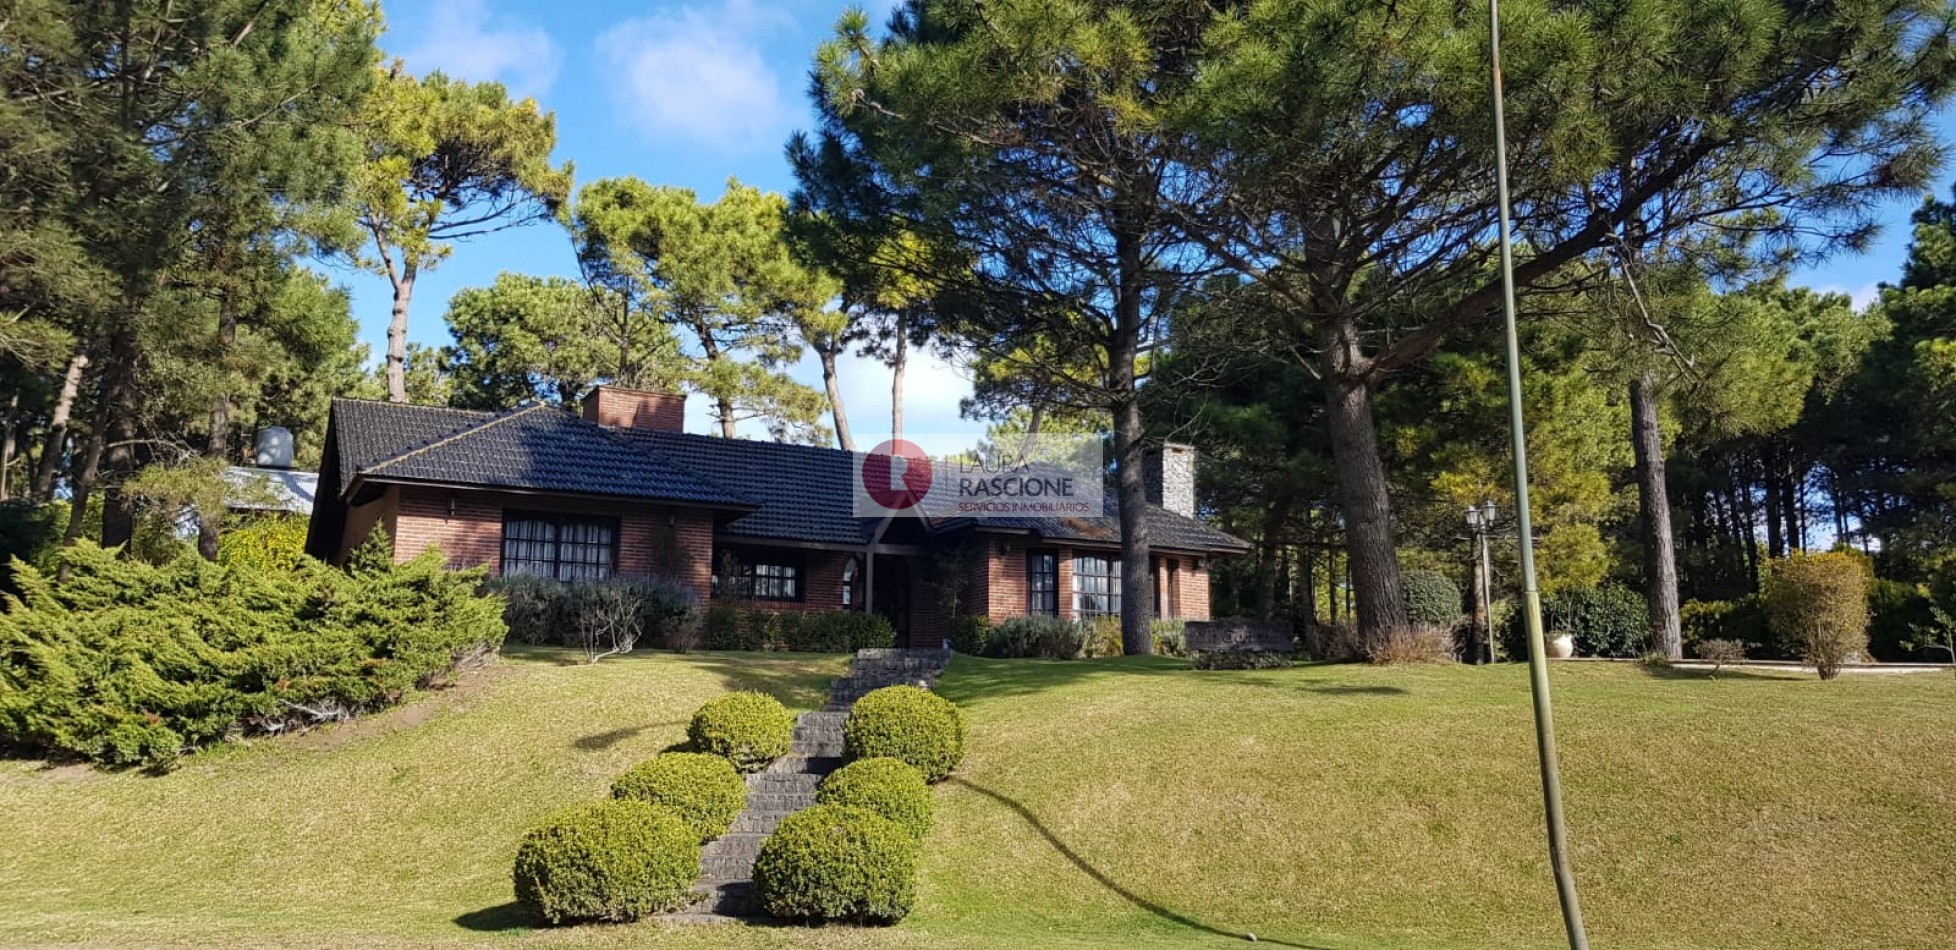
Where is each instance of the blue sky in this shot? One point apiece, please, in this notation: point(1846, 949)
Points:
point(690, 93)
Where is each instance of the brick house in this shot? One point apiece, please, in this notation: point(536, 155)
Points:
point(624, 491)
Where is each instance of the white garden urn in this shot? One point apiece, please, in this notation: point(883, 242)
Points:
point(1561, 646)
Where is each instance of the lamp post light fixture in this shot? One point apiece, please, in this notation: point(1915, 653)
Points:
point(1531, 598)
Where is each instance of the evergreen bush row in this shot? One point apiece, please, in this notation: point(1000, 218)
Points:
point(730, 627)
point(127, 663)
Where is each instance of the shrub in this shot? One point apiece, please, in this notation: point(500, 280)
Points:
point(889, 787)
point(1419, 643)
point(705, 791)
point(600, 616)
point(1720, 653)
point(748, 729)
point(28, 532)
point(1038, 636)
point(127, 663)
point(612, 861)
point(1611, 620)
point(1239, 660)
point(721, 629)
point(1171, 638)
point(832, 862)
point(1103, 637)
point(267, 543)
point(837, 631)
point(1818, 605)
point(908, 723)
point(1337, 642)
point(971, 634)
point(1898, 612)
point(1432, 599)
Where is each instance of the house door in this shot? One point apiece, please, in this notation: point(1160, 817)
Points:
point(891, 598)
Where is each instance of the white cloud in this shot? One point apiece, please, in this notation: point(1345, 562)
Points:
point(697, 74)
point(464, 40)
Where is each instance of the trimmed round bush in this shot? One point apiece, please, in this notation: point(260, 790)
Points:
point(1432, 599)
point(705, 791)
point(610, 861)
point(889, 787)
point(833, 862)
point(748, 729)
point(905, 722)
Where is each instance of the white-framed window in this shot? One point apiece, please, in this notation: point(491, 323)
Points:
point(750, 578)
point(1096, 586)
point(1042, 583)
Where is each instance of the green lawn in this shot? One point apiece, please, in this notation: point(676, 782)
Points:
point(1104, 804)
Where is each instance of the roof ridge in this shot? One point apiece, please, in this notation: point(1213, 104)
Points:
point(442, 440)
point(390, 404)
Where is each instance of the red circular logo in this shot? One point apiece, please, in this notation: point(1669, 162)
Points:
point(897, 474)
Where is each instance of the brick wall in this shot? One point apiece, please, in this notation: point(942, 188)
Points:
point(470, 533)
point(636, 409)
point(669, 542)
point(1195, 590)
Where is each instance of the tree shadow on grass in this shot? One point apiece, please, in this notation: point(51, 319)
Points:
point(1778, 674)
point(601, 741)
point(1352, 689)
point(502, 918)
point(1100, 877)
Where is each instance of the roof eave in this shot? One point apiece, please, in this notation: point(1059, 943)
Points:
point(362, 478)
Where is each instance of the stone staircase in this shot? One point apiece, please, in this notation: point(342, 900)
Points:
point(787, 785)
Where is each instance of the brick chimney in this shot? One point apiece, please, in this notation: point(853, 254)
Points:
point(636, 409)
point(1169, 470)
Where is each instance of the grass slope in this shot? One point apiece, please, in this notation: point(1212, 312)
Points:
point(1117, 803)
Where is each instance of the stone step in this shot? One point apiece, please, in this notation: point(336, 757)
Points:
point(734, 844)
point(722, 899)
point(819, 732)
point(817, 761)
point(779, 801)
point(819, 750)
point(783, 782)
point(732, 867)
point(758, 822)
point(815, 720)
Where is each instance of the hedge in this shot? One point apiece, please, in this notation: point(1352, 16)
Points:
point(705, 791)
point(1611, 620)
point(1432, 599)
point(127, 663)
point(607, 861)
point(832, 862)
point(748, 729)
point(729, 627)
point(907, 723)
point(889, 787)
point(547, 611)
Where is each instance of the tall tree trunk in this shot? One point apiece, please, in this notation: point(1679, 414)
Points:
point(1654, 513)
point(116, 421)
point(83, 487)
point(1268, 550)
point(836, 411)
point(900, 351)
point(64, 406)
point(219, 444)
point(397, 328)
point(1373, 562)
point(1775, 503)
point(7, 446)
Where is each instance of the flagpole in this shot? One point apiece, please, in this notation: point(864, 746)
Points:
point(1558, 836)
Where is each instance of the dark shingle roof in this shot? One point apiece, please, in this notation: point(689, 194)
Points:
point(370, 432)
point(798, 492)
point(803, 491)
point(539, 448)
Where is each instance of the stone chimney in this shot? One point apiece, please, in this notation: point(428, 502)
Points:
point(623, 408)
point(1169, 469)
